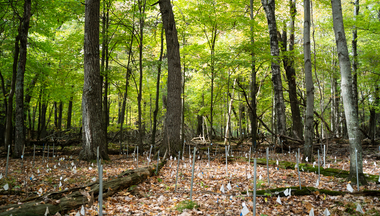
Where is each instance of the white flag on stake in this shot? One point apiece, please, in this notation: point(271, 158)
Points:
point(359, 209)
point(47, 211)
point(245, 210)
point(279, 200)
point(6, 186)
point(311, 213)
point(317, 183)
point(326, 212)
point(82, 210)
point(229, 186)
point(222, 189)
point(349, 188)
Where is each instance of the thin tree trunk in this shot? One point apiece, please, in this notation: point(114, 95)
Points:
point(69, 112)
point(228, 125)
point(288, 61)
point(253, 85)
point(139, 97)
point(308, 146)
point(155, 112)
point(347, 92)
point(19, 122)
point(8, 126)
point(173, 114)
point(355, 58)
point(269, 7)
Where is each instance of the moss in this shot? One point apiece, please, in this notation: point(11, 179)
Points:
point(186, 204)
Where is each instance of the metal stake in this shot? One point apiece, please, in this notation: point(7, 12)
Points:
point(176, 178)
point(192, 175)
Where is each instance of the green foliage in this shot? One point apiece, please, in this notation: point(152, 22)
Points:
point(186, 204)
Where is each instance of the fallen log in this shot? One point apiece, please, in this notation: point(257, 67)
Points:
point(66, 200)
point(296, 191)
point(337, 173)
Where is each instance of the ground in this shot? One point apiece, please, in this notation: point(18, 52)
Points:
point(157, 196)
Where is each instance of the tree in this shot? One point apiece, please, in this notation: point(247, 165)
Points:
point(19, 123)
point(309, 130)
point(269, 7)
point(355, 58)
point(93, 135)
point(347, 93)
point(173, 113)
point(289, 66)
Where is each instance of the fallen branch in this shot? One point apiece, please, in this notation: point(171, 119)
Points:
point(295, 191)
point(308, 168)
point(74, 198)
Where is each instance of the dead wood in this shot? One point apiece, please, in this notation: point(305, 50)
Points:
point(64, 201)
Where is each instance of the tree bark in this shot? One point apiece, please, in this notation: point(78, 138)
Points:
point(297, 128)
point(173, 114)
point(139, 97)
point(347, 92)
point(308, 146)
point(355, 58)
point(253, 85)
point(269, 7)
point(8, 127)
point(155, 112)
point(93, 134)
point(19, 122)
point(69, 113)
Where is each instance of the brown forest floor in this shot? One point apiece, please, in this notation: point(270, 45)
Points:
point(156, 195)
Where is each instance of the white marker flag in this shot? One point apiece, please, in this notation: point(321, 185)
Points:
point(229, 186)
point(82, 210)
point(47, 211)
point(349, 188)
point(6, 186)
point(279, 200)
point(311, 213)
point(317, 183)
point(326, 212)
point(222, 189)
point(245, 210)
point(359, 209)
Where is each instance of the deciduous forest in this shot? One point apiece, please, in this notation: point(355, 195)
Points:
point(146, 107)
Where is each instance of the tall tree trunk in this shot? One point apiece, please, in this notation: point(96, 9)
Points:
point(93, 134)
point(308, 146)
point(60, 110)
point(173, 114)
point(139, 97)
point(104, 69)
point(253, 85)
point(355, 58)
point(8, 126)
point(19, 123)
point(155, 112)
point(69, 113)
point(288, 61)
point(348, 99)
point(55, 115)
point(228, 124)
point(269, 7)
point(127, 75)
